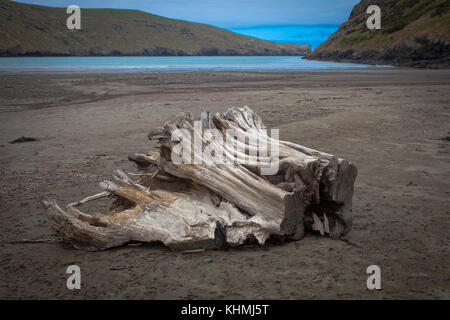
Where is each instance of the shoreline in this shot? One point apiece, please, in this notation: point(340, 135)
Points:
point(419, 64)
point(172, 64)
point(115, 71)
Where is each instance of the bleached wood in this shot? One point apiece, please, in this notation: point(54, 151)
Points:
point(330, 180)
point(90, 198)
point(179, 220)
point(189, 206)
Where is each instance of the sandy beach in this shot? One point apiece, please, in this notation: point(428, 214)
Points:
point(394, 124)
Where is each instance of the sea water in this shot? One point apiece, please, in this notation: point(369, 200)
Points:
point(137, 64)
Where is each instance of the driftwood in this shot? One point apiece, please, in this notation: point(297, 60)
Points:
point(204, 191)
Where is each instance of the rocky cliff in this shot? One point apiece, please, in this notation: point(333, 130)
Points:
point(413, 33)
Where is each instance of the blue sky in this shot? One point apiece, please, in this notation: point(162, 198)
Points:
point(274, 20)
point(313, 35)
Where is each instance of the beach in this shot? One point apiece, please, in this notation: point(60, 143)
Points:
point(392, 123)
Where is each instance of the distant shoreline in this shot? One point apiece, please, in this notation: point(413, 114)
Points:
point(130, 72)
point(419, 64)
point(56, 55)
point(147, 56)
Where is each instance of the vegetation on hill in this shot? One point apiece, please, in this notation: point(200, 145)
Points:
point(413, 33)
point(33, 30)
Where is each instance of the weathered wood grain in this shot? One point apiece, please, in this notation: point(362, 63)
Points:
point(203, 204)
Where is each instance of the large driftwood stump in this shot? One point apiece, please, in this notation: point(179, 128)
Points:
point(206, 188)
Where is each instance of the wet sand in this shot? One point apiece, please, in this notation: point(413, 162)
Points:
point(394, 124)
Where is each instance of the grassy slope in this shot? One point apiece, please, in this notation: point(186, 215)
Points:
point(37, 30)
point(413, 32)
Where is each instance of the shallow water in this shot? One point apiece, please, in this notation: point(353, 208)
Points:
point(133, 64)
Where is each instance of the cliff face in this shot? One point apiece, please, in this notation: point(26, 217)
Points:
point(413, 33)
point(30, 30)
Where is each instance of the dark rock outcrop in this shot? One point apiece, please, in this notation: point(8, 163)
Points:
point(412, 34)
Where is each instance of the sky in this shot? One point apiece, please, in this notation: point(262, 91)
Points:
point(275, 20)
point(313, 35)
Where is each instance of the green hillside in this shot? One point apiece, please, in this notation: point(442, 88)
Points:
point(33, 30)
point(413, 33)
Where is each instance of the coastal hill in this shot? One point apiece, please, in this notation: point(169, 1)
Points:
point(32, 30)
point(413, 33)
